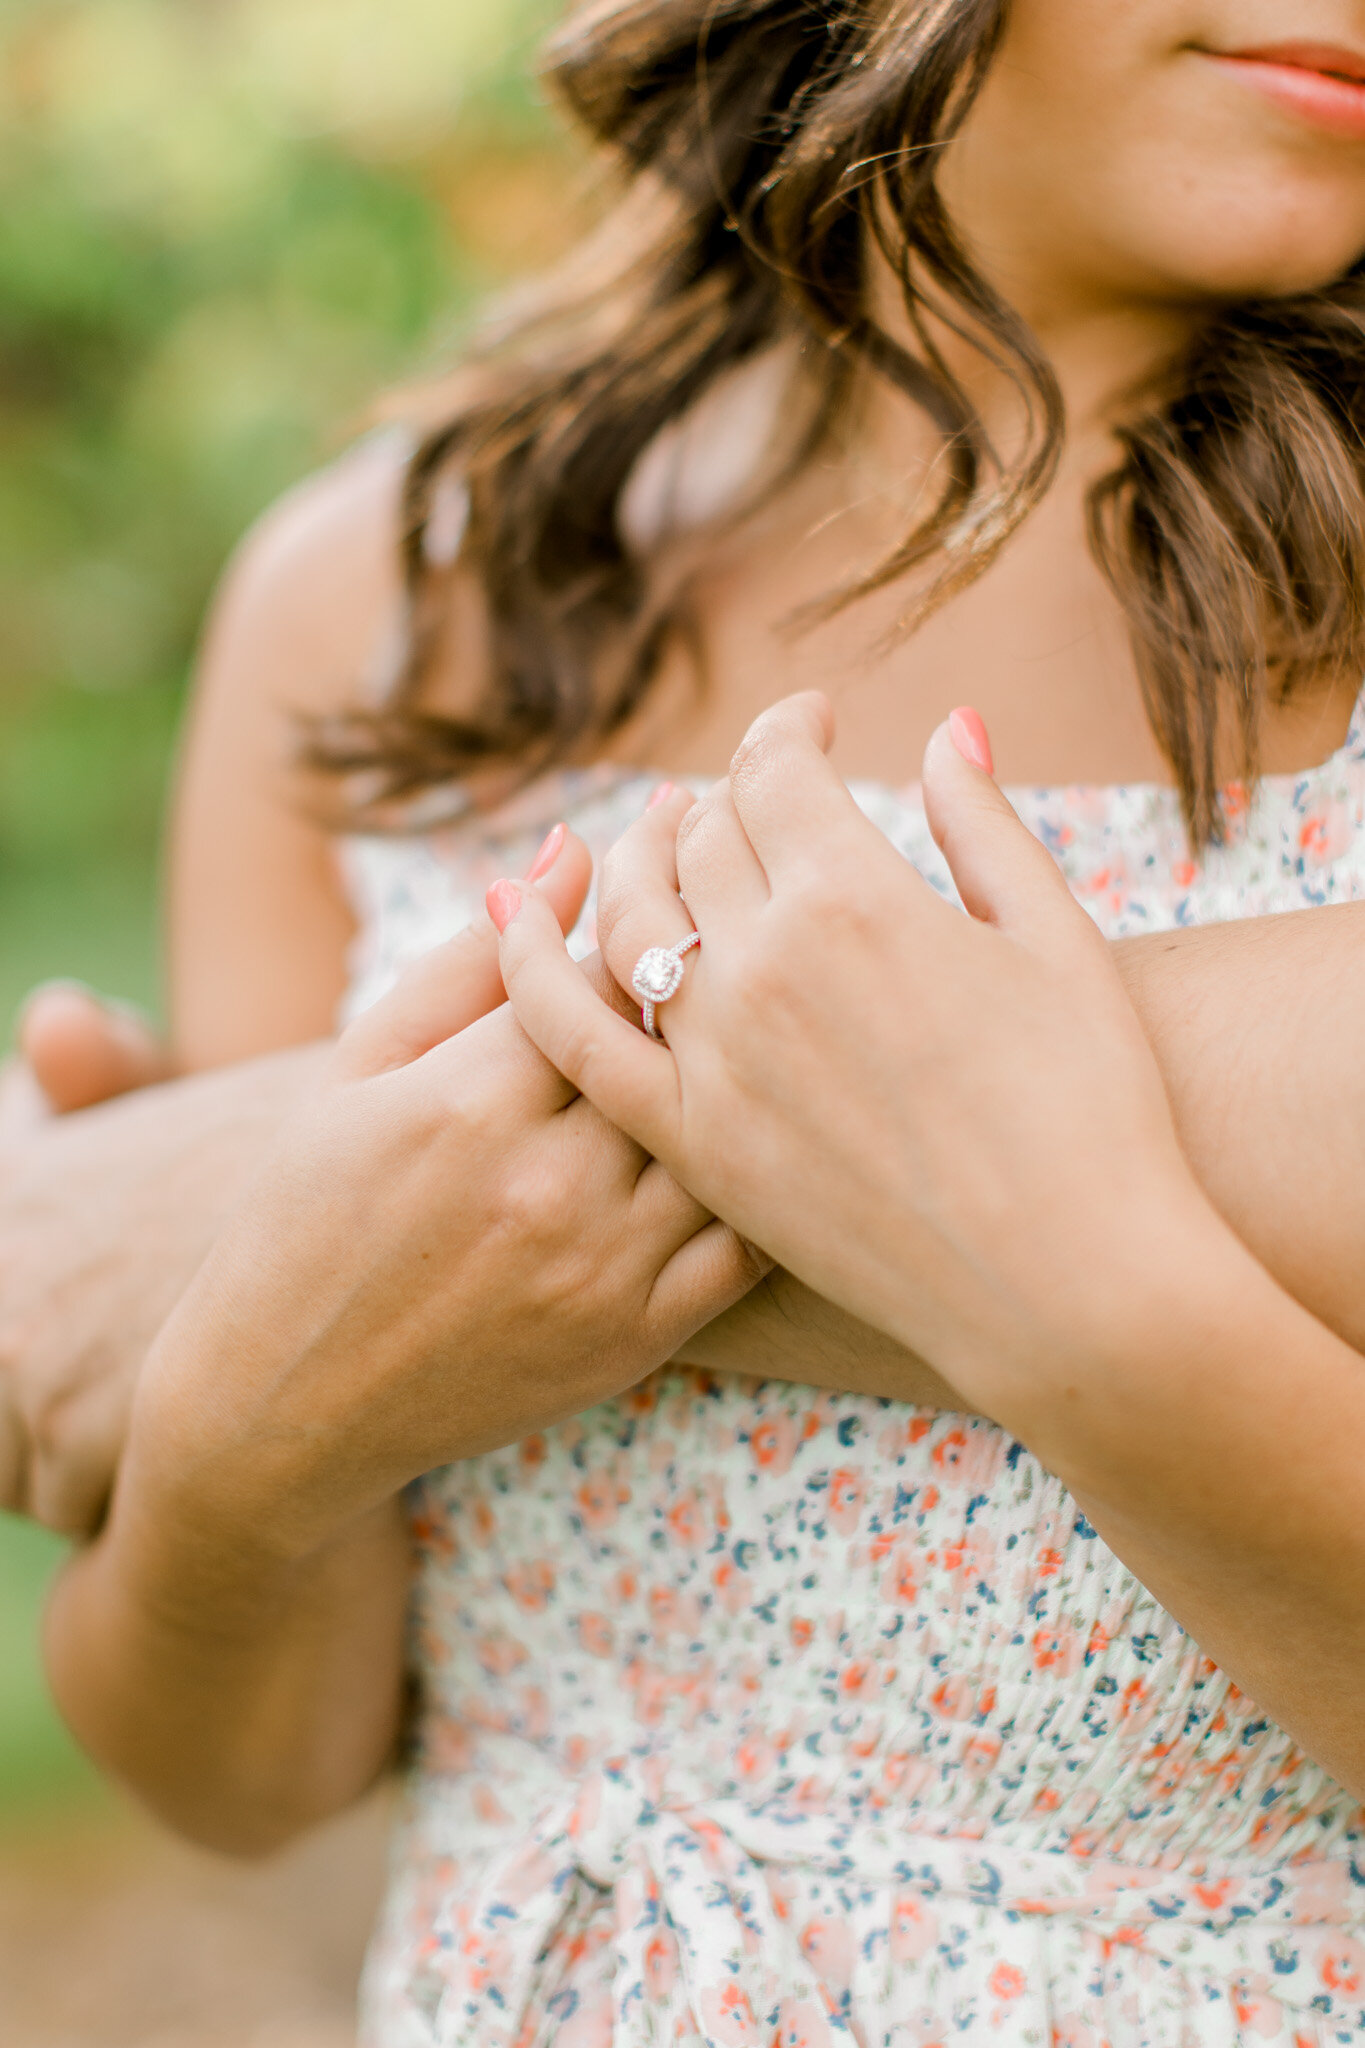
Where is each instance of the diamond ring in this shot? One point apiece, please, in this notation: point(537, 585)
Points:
point(658, 975)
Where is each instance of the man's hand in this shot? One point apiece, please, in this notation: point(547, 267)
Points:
point(107, 1211)
point(81, 1049)
point(104, 1216)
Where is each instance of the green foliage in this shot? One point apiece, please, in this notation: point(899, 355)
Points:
point(225, 225)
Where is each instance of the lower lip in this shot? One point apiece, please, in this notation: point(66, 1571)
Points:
point(1334, 104)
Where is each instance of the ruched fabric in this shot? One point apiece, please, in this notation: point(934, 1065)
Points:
point(698, 1913)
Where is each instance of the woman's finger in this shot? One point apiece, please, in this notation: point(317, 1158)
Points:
point(720, 878)
point(455, 984)
point(638, 905)
point(788, 798)
point(606, 1058)
point(1004, 875)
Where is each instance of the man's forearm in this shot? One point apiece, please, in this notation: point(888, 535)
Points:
point(1258, 1028)
point(104, 1216)
point(243, 1697)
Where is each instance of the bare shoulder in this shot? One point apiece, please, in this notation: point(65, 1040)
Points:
point(315, 586)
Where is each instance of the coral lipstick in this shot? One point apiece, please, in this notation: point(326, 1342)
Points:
point(1321, 83)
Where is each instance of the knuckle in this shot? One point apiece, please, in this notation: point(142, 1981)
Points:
point(697, 821)
point(612, 898)
point(754, 757)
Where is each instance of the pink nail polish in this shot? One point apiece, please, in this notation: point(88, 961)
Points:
point(503, 901)
point(969, 737)
point(660, 796)
point(548, 855)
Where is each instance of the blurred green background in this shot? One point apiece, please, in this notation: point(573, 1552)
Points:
point(225, 227)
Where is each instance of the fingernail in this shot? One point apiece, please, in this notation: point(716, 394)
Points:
point(660, 796)
point(503, 901)
point(969, 737)
point(548, 855)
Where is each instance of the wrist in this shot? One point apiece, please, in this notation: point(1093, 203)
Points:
point(1165, 1360)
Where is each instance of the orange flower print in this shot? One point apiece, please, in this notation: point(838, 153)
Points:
point(845, 1500)
point(729, 2017)
point(1008, 1981)
point(801, 2024)
point(1236, 802)
point(860, 1679)
point(501, 1654)
point(978, 1758)
point(531, 1585)
point(661, 1965)
point(827, 1945)
point(954, 1699)
point(1325, 836)
point(800, 1630)
point(597, 1634)
point(1056, 1649)
point(914, 1928)
point(733, 1587)
point(599, 1500)
point(773, 1444)
point(1342, 1965)
point(686, 1524)
point(968, 1457)
point(755, 1760)
point(899, 1582)
point(1256, 2008)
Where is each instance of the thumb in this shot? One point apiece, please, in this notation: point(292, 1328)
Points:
point(1004, 875)
point(455, 984)
point(82, 1049)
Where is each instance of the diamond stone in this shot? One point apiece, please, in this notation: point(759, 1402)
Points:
point(658, 975)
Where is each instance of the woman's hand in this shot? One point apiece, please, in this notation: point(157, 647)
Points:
point(953, 1126)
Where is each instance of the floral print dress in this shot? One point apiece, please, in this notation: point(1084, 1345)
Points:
point(759, 1716)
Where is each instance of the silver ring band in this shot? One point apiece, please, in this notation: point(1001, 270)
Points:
point(658, 976)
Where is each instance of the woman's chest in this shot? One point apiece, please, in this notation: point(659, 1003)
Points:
point(806, 1597)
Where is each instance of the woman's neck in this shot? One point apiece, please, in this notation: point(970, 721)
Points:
point(1103, 350)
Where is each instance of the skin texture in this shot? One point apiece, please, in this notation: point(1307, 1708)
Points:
point(933, 1107)
point(260, 928)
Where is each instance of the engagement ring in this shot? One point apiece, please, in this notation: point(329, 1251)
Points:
point(658, 975)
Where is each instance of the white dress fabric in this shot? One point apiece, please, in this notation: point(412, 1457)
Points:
point(752, 1714)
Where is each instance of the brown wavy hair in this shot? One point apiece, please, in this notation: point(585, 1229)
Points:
point(767, 147)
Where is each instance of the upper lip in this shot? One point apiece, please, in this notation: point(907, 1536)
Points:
point(1328, 58)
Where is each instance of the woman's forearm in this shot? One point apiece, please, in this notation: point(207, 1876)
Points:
point(243, 1696)
point(1217, 1451)
point(1259, 1030)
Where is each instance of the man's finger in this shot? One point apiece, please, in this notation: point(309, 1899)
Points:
point(82, 1049)
point(455, 984)
point(607, 1059)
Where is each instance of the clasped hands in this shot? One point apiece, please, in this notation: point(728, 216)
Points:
point(491, 1216)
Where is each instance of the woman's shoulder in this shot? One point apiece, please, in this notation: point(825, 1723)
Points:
point(319, 577)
